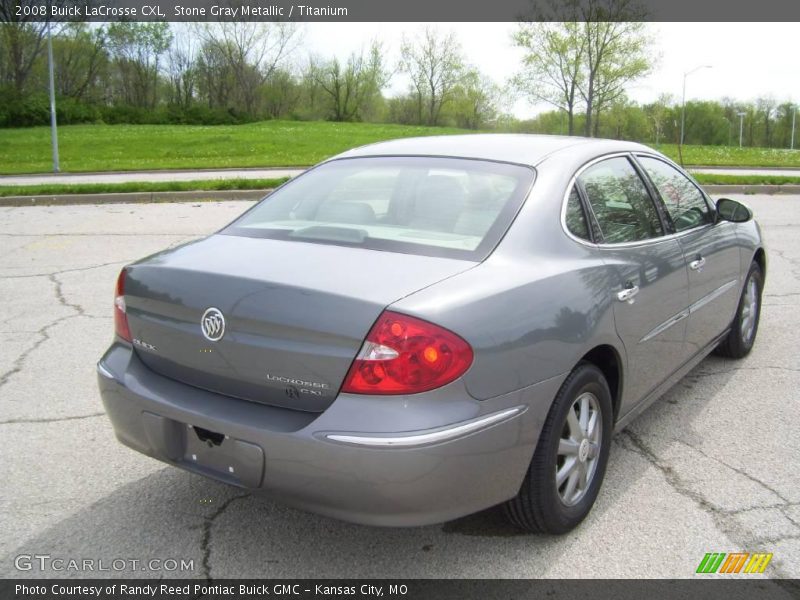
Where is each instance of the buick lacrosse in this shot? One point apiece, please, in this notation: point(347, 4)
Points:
point(420, 329)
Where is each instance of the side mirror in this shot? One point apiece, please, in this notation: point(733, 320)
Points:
point(733, 211)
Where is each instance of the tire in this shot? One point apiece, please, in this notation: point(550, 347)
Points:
point(542, 506)
point(742, 336)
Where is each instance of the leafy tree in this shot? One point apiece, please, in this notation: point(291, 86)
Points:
point(236, 58)
point(553, 65)
point(435, 63)
point(136, 50)
point(351, 88)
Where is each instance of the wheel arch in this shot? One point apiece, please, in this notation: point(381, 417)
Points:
point(760, 257)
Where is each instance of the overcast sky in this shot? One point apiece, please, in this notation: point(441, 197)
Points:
point(748, 59)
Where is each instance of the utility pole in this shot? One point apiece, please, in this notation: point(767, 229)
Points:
point(53, 124)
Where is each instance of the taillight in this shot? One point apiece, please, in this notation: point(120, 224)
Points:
point(405, 355)
point(120, 315)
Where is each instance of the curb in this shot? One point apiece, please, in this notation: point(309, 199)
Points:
point(251, 195)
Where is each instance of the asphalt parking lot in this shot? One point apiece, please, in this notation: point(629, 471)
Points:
point(713, 466)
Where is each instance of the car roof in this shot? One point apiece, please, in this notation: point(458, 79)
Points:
point(526, 149)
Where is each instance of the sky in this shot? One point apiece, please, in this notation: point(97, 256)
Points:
point(747, 60)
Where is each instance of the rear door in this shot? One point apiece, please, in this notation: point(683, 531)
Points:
point(710, 249)
point(650, 285)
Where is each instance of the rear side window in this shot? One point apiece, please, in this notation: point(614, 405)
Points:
point(418, 205)
point(620, 201)
point(686, 205)
point(575, 217)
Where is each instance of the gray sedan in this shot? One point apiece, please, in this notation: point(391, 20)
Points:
point(420, 329)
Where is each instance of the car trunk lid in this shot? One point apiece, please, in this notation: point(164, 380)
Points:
point(295, 313)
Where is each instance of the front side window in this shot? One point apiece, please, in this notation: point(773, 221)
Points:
point(685, 203)
point(620, 201)
point(419, 205)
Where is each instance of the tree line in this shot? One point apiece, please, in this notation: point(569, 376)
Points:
point(217, 73)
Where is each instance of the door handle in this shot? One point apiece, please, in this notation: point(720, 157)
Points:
point(697, 264)
point(628, 294)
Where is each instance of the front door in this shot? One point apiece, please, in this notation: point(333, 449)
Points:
point(710, 248)
point(650, 286)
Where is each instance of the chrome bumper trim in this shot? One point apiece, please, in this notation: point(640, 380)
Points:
point(421, 439)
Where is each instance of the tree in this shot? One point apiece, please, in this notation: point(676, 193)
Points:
point(136, 49)
point(617, 52)
point(587, 50)
point(350, 88)
point(21, 45)
point(476, 101)
point(435, 63)
point(183, 72)
point(553, 64)
point(765, 107)
point(238, 57)
point(81, 57)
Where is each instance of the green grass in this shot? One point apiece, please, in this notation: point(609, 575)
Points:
point(265, 144)
point(141, 147)
point(140, 186)
point(711, 179)
point(726, 156)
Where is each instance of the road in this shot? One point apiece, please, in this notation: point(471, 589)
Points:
point(712, 466)
point(203, 174)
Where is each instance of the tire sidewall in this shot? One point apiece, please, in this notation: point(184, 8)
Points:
point(587, 378)
point(754, 272)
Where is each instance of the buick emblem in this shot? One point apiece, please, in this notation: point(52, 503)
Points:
point(213, 324)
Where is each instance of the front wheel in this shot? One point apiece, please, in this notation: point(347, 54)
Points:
point(569, 463)
point(744, 327)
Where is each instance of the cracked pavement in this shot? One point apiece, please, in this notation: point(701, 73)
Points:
point(711, 467)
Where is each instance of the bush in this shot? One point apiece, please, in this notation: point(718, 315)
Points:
point(27, 112)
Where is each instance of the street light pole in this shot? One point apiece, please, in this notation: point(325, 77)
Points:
point(794, 117)
point(53, 125)
point(683, 98)
point(741, 127)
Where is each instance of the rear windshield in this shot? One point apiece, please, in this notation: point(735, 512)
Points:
point(447, 207)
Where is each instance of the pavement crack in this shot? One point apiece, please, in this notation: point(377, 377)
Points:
point(205, 543)
point(64, 271)
point(638, 446)
point(43, 332)
point(53, 419)
point(61, 298)
point(741, 472)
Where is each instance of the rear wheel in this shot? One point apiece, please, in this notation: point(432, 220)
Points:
point(744, 328)
point(568, 466)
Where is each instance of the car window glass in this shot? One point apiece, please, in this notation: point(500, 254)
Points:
point(685, 203)
point(425, 205)
point(575, 217)
point(621, 203)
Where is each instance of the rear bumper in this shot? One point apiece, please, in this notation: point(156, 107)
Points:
point(396, 461)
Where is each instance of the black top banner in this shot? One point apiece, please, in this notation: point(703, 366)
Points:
point(402, 10)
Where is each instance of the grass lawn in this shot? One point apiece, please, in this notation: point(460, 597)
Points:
point(265, 144)
point(143, 147)
point(727, 156)
point(712, 178)
point(140, 186)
